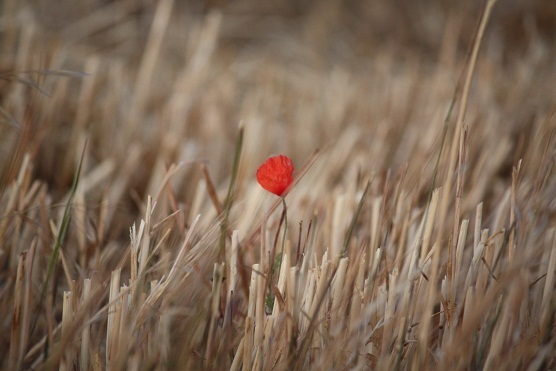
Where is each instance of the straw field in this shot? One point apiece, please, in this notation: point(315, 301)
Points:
point(419, 232)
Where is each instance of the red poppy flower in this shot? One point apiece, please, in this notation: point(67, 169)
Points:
point(276, 174)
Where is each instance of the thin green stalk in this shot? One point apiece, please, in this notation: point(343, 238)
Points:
point(231, 189)
point(284, 234)
point(355, 218)
point(276, 262)
point(64, 226)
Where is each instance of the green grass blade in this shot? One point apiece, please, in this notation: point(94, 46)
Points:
point(64, 226)
point(355, 217)
point(231, 190)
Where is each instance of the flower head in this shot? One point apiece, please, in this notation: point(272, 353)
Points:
point(276, 174)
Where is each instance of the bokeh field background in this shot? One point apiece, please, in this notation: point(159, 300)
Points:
point(420, 231)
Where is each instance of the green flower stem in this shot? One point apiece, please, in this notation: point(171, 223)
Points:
point(285, 230)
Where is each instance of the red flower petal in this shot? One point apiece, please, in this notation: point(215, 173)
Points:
point(276, 174)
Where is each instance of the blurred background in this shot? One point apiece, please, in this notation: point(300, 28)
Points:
point(151, 83)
